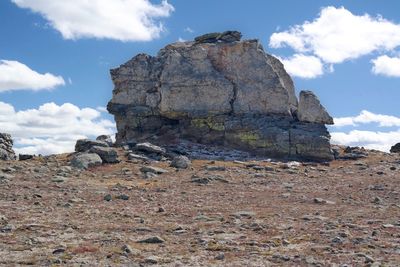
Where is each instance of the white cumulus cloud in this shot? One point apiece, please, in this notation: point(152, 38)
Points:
point(51, 128)
point(124, 20)
point(366, 117)
point(387, 66)
point(337, 35)
point(17, 76)
point(303, 66)
point(369, 139)
point(380, 140)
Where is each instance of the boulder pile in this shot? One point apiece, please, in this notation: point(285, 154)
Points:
point(219, 90)
point(6, 150)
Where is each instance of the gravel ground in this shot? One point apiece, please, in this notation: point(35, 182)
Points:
point(215, 213)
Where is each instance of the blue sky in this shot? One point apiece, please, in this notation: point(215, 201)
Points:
point(347, 52)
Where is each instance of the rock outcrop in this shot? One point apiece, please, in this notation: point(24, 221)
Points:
point(395, 148)
point(6, 150)
point(222, 91)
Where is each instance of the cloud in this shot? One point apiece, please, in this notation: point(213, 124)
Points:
point(368, 139)
point(51, 129)
point(124, 20)
point(303, 66)
point(379, 140)
point(366, 117)
point(337, 35)
point(17, 76)
point(387, 66)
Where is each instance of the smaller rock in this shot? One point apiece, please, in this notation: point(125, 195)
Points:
point(151, 169)
point(150, 148)
point(151, 260)
point(395, 148)
point(322, 201)
point(152, 240)
point(84, 145)
point(85, 160)
point(220, 257)
point(215, 168)
point(107, 197)
point(105, 138)
point(311, 110)
point(25, 156)
point(123, 197)
point(59, 179)
point(181, 162)
point(133, 156)
point(107, 154)
point(129, 250)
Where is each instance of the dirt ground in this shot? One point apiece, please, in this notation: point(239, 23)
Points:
point(216, 213)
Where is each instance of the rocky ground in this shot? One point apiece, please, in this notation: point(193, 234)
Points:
point(215, 213)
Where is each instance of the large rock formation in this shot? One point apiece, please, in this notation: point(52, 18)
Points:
point(219, 90)
point(6, 150)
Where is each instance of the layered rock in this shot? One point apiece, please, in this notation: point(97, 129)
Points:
point(219, 90)
point(6, 150)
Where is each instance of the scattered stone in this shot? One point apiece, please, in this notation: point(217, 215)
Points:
point(245, 214)
point(150, 148)
point(107, 154)
point(227, 37)
point(215, 168)
point(84, 145)
point(323, 201)
point(150, 169)
point(123, 197)
point(152, 240)
point(151, 260)
point(25, 156)
point(85, 160)
point(181, 162)
point(107, 197)
point(7, 228)
point(377, 200)
point(220, 257)
point(133, 156)
point(59, 179)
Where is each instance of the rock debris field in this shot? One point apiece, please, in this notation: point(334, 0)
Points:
point(142, 211)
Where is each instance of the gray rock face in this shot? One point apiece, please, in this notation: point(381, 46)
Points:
point(218, 90)
point(311, 110)
point(6, 150)
point(85, 160)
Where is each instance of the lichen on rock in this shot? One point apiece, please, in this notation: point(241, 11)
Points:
point(219, 90)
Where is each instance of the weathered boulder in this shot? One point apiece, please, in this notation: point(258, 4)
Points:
point(311, 110)
point(107, 154)
point(6, 150)
point(395, 148)
point(83, 145)
point(218, 90)
point(85, 160)
point(180, 162)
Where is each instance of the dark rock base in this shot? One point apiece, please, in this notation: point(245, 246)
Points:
point(271, 136)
